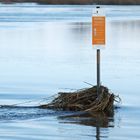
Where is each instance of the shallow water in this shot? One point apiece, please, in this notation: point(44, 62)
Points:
point(47, 49)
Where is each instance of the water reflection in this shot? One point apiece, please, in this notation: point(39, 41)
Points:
point(80, 30)
point(97, 120)
point(80, 27)
point(124, 31)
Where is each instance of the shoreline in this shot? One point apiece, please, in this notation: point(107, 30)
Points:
point(75, 2)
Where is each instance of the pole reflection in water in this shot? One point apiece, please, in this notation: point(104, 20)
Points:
point(97, 133)
point(97, 120)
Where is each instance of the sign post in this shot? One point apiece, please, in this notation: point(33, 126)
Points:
point(98, 38)
point(98, 71)
point(98, 41)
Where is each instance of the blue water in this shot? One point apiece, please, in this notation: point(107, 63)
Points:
point(45, 49)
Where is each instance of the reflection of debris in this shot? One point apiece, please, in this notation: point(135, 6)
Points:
point(94, 119)
point(84, 100)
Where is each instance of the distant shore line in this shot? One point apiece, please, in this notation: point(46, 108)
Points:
point(76, 2)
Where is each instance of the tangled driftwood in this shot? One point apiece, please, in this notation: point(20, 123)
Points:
point(84, 100)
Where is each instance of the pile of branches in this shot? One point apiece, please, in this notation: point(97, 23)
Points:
point(84, 100)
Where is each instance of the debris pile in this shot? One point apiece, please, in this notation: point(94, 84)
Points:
point(86, 100)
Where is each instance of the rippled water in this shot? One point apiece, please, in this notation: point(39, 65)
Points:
point(45, 49)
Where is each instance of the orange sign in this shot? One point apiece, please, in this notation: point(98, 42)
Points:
point(98, 30)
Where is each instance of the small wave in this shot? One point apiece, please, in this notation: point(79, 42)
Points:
point(9, 112)
point(16, 107)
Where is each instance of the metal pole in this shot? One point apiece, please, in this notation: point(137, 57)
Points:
point(98, 71)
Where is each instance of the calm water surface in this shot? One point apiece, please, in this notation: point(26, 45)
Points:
point(47, 49)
